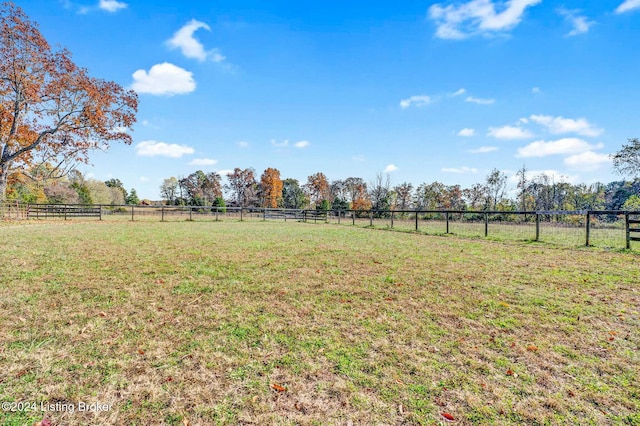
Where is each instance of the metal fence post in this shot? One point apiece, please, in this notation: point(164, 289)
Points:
point(162, 218)
point(370, 217)
point(588, 227)
point(537, 226)
point(131, 213)
point(392, 212)
point(241, 216)
point(100, 211)
point(353, 217)
point(339, 214)
point(416, 220)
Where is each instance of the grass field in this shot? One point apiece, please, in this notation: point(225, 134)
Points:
point(200, 323)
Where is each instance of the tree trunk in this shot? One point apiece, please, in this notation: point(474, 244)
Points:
point(4, 175)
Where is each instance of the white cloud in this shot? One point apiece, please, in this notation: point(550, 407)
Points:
point(459, 92)
point(484, 149)
point(467, 132)
point(628, 5)
point(461, 170)
point(536, 90)
point(112, 5)
point(560, 146)
point(587, 160)
point(163, 79)
point(480, 101)
point(390, 168)
point(162, 149)
point(243, 144)
point(203, 162)
point(144, 179)
point(509, 132)
point(459, 21)
point(279, 144)
point(559, 125)
point(190, 47)
point(416, 101)
point(301, 144)
point(580, 23)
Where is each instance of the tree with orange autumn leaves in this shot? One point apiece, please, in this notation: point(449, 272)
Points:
point(318, 188)
point(51, 110)
point(271, 186)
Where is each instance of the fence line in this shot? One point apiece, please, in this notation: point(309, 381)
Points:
point(604, 228)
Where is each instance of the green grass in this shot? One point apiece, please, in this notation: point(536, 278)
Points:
point(196, 321)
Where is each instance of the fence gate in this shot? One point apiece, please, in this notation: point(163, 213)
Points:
point(633, 228)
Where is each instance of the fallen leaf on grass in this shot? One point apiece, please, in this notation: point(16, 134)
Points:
point(140, 351)
point(510, 372)
point(448, 416)
point(532, 348)
point(278, 388)
point(102, 314)
point(159, 281)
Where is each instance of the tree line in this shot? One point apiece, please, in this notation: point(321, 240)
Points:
point(537, 192)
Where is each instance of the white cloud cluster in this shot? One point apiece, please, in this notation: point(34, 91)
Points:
point(415, 101)
point(163, 79)
point(162, 149)
point(190, 47)
point(587, 160)
point(480, 101)
point(467, 132)
point(561, 146)
point(509, 132)
point(628, 6)
point(299, 144)
point(459, 21)
point(112, 5)
point(484, 149)
point(459, 170)
point(559, 125)
point(243, 144)
point(390, 168)
point(580, 23)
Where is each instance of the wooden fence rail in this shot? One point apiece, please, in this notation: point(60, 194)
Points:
point(534, 225)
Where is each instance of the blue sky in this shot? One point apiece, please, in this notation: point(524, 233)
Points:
point(423, 91)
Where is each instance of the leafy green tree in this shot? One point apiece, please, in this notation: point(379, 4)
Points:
point(632, 203)
point(116, 183)
point(133, 197)
point(293, 196)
